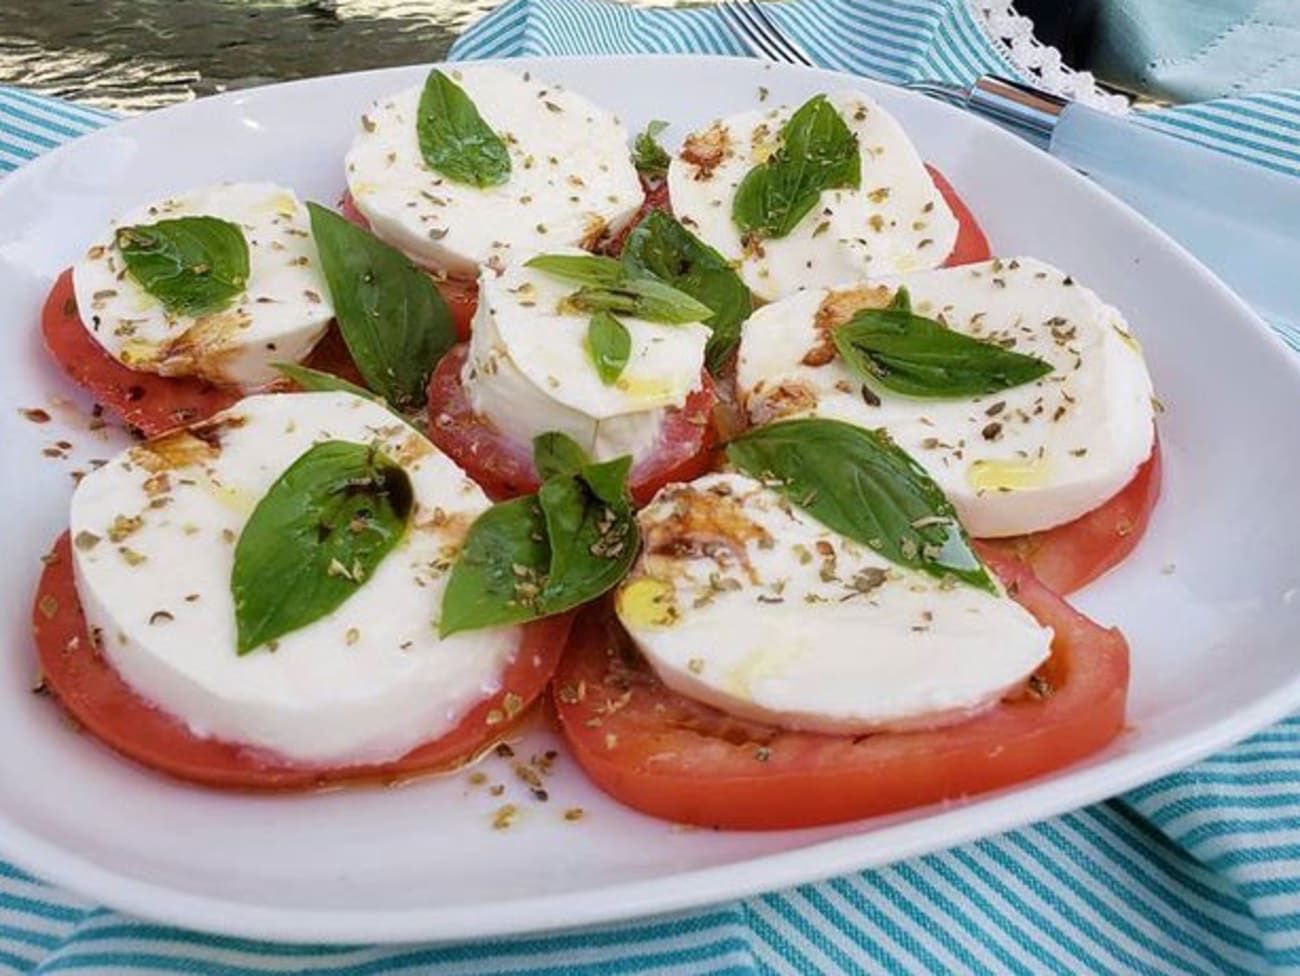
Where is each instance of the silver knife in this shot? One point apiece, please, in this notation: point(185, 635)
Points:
point(1240, 219)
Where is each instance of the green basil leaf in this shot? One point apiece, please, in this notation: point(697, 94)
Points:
point(193, 265)
point(818, 152)
point(650, 158)
point(454, 139)
point(609, 345)
point(555, 453)
point(660, 247)
point(546, 553)
point(581, 269)
point(315, 538)
point(393, 320)
point(318, 381)
point(501, 572)
point(642, 298)
point(593, 538)
point(860, 484)
point(919, 357)
point(902, 299)
point(611, 286)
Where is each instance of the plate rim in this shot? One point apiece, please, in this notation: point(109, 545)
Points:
point(628, 901)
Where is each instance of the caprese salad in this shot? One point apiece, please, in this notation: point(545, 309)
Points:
point(751, 453)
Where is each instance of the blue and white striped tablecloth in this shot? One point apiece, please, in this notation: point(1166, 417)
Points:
point(1195, 873)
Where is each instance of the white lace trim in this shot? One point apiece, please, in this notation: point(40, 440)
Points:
point(1014, 36)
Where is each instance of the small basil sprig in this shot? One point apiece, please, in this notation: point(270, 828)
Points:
point(454, 139)
point(818, 152)
point(650, 158)
point(660, 247)
point(860, 484)
point(315, 538)
point(542, 554)
point(392, 317)
point(193, 265)
point(609, 345)
point(919, 357)
point(610, 286)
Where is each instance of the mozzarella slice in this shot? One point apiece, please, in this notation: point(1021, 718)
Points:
point(529, 370)
point(1025, 459)
point(571, 177)
point(743, 602)
point(895, 221)
point(282, 314)
point(154, 535)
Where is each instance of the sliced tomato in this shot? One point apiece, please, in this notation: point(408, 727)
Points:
point(460, 295)
point(93, 693)
point(1073, 555)
point(504, 468)
point(147, 401)
point(669, 756)
point(971, 244)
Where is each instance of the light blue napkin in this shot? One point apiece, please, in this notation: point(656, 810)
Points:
point(1196, 873)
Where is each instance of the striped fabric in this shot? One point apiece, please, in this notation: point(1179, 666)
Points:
point(1196, 873)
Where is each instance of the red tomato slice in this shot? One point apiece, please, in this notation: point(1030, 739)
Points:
point(680, 760)
point(504, 469)
point(461, 296)
point(971, 244)
point(1073, 555)
point(88, 687)
point(148, 401)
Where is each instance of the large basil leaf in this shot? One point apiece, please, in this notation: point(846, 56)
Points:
point(919, 357)
point(818, 152)
point(660, 247)
point(546, 553)
point(609, 286)
point(193, 265)
point(860, 484)
point(315, 538)
point(609, 346)
point(454, 139)
point(393, 320)
point(650, 158)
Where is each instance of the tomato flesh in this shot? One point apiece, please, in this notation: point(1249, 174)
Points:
point(504, 468)
point(1072, 555)
point(92, 692)
point(460, 295)
point(971, 245)
point(674, 758)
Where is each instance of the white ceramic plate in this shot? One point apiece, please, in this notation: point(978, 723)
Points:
point(1208, 601)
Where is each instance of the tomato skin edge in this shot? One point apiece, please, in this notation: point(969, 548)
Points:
point(90, 691)
point(807, 780)
point(1072, 555)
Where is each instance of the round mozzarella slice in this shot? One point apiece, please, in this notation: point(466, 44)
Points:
point(529, 370)
point(1021, 460)
point(282, 314)
point(895, 221)
point(742, 601)
point(154, 536)
point(571, 178)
